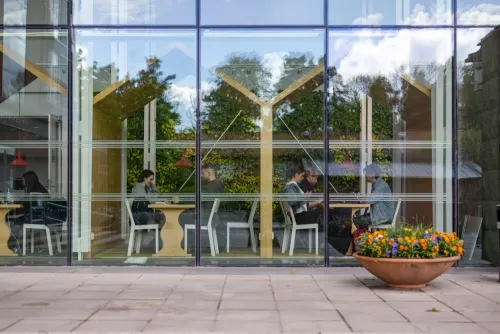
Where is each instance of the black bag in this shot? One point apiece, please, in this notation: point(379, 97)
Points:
point(339, 235)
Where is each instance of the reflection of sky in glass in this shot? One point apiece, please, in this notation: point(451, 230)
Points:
point(478, 12)
point(268, 12)
point(389, 12)
point(129, 49)
point(134, 12)
point(384, 52)
point(270, 47)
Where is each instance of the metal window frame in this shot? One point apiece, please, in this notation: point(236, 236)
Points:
point(70, 28)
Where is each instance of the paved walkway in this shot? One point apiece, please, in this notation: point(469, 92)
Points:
point(89, 299)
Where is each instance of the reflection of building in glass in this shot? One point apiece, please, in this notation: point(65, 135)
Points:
point(481, 103)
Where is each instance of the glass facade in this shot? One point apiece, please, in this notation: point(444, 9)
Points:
point(207, 132)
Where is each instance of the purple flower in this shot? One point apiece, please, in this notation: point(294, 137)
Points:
point(394, 245)
point(394, 251)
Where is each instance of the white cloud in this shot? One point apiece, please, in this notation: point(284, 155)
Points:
point(372, 19)
point(486, 13)
point(369, 52)
point(274, 63)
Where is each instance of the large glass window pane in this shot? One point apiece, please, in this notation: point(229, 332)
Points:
point(391, 107)
point(478, 60)
point(262, 125)
point(478, 12)
point(33, 12)
point(390, 12)
point(33, 150)
point(135, 12)
point(262, 12)
point(134, 126)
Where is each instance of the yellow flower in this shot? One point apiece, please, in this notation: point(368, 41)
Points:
point(433, 254)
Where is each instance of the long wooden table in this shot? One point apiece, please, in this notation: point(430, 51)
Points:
point(354, 207)
point(172, 233)
point(5, 230)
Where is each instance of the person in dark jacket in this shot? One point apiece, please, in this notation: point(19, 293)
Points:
point(27, 212)
point(144, 194)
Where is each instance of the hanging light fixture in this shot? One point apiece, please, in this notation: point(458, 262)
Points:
point(183, 162)
point(19, 162)
point(347, 164)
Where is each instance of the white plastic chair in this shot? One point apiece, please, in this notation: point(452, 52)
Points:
point(291, 228)
point(246, 225)
point(32, 226)
point(212, 235)
point(391, 225)
point(138, 228)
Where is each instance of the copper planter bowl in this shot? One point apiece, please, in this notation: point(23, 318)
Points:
point(406, 273)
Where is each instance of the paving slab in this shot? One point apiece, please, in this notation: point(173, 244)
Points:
point(111, 326)
point(232, 300)
point(39, 325)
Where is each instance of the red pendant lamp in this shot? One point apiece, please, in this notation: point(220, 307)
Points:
point(183, 162)
point(347, 163)
point(19, 162)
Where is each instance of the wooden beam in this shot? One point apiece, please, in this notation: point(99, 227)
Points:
point(266, 181)
point(239, 87)
point(297, 84)
point(110, 89)
point(266, 152)
point(415, 83)
point(38, 71)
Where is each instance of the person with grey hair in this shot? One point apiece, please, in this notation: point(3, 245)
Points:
point(380, 199)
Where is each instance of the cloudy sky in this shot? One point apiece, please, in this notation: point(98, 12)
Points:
point(353, 52)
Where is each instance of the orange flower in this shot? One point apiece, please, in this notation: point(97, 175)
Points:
point(400, 240)
point(433, 254)
point(406, 247)
point(460, 250)
point(424, 247)
point(454, 248)
point(401, 247)
point(378, 247)
point(436, 248)
point(445, 252)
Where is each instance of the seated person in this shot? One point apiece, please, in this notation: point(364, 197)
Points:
point(31, 185)
point(210, 185)
point(143, 192)
point(305, 212)
point(381, 203)
point(309, 181)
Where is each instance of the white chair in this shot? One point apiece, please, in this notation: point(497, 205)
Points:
point(291, 228)
point(138, 228)
point(36, 210)
point(246, 225)
point(391, 225)
point(212, 234)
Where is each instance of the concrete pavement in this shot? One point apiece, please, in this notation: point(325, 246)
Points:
point(336, 300)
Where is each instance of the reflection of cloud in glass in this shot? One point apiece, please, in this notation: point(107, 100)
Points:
point(385, 52)
point(134, 12)
point(486, 13)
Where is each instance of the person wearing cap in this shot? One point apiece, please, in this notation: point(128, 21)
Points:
point(380, 199)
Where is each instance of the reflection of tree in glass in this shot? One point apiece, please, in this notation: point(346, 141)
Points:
point(127, 101)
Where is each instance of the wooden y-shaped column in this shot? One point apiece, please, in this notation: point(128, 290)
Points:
point(266, 152)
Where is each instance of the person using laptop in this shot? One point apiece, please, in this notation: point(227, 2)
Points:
point(380, 199)
point(306, 212)
point(144, 193)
